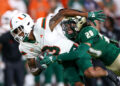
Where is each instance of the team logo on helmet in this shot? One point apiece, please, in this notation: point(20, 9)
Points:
point(21, 26)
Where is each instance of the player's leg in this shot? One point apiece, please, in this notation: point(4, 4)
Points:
point(19, 73)
point(73, 77)
point(58, 69)
point(48, 75)
point(8, 75)
point(115, 66)
point(37, 80)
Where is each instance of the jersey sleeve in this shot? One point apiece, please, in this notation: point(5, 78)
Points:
point(43, 23)
point(26, 52)
point(88, 34)
point(84, 64)
point(75, 54)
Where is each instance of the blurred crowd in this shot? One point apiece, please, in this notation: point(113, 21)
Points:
point(13, 69)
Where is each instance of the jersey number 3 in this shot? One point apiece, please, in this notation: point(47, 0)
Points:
point(54, 50)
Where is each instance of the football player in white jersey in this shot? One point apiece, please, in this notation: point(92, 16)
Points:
point(37, 38)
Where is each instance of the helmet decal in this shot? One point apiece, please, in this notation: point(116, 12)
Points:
point(21, 18)
point(44, 23)
point(21, 23)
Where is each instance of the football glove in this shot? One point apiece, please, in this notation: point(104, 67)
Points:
point(97, 15)
point(38, 60)
point(39, 68)
point(48, 59)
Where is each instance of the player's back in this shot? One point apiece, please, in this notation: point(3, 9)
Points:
point(100, 45)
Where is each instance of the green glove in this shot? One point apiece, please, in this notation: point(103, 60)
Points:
point(48, 59)
point(97, 15)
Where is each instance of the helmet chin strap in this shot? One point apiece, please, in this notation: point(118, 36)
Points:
point(71, 36)
point(26, 37)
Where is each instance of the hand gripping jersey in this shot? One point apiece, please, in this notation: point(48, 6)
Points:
point(54, 42)
point(101, 47)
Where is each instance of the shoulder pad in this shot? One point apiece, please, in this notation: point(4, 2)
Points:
point(41, 22)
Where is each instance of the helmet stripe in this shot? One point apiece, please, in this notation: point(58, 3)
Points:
point(11, 23)
point(44, 23)
point(20, 18)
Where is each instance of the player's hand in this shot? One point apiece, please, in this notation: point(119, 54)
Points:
point(48, 59)
point(96, 15)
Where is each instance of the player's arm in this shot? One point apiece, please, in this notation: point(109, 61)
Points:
point(73, 55)
point(83, 62)
point(90, 71)
point(86, 66)
point(94, 72)
point(76, 54)
point(33, 64)
point(71, 13)
point(34, 69)
point(65, 13)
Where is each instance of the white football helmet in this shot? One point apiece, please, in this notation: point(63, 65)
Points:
point(21, 23)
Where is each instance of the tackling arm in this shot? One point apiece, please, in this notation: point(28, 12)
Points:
point(73, 55)
point(78, 53)
point(95, 72)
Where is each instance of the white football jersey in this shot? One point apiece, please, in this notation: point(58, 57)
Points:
point(53, 41)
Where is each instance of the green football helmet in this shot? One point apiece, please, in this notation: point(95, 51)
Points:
point(68, 27)
point(72, 25)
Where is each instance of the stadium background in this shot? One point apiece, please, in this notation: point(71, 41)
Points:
point(41, 8)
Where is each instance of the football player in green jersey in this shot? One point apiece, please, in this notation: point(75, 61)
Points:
point(101, 47)
point(73, 55)
point(74, 69)
point(83, 64)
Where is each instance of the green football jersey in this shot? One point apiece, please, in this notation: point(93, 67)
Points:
point(82, 63)
point(101, 47)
